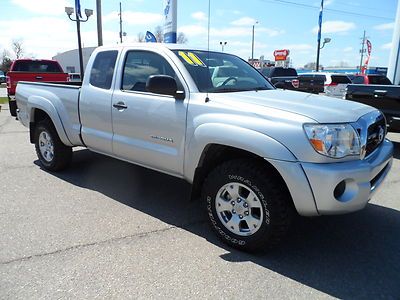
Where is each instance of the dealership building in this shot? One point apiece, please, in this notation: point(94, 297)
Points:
point(69, 60)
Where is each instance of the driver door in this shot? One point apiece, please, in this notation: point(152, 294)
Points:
point(148, 128)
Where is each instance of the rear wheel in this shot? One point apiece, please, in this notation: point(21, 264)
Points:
point(248, 207)
point(52, 153)
point(12, 104)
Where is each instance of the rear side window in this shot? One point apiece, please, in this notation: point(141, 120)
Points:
point(266, 72)
point(282, 72)
point(312, 77)
point(379, 80)
point(320, 77)
point(340, 79)
point(103, 69)
point(358, 79)
point(37, 66)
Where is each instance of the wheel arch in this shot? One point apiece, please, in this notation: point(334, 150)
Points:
point(216, 154)
point(41, 109)
point(244, 140)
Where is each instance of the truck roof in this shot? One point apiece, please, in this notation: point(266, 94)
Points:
point(154, 45)
point(34, 59)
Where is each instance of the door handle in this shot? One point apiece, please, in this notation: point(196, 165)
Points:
point(380, 93)
point(120, 105)
point(39, 77)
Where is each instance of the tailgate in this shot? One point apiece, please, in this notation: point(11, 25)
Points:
point(14, 77)
point(311, 84)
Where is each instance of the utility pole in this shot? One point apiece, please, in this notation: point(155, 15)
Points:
point(252, 42)
point(120, 22)
point(363, 50)
point(99, 24)
point(319, 35)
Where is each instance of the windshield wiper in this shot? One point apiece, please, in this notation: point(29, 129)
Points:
point(260, 88)
point(225, 90)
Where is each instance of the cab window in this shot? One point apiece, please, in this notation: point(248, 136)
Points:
point(140, 65)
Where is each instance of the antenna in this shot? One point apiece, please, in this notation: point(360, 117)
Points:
point(208, 43)
point(120, 22)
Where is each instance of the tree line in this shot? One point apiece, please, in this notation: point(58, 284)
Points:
point(6, 57)
point(159, 34)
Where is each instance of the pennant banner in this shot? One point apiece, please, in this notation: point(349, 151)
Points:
point(150, 38)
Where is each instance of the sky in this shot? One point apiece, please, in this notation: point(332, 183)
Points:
point(45, 30)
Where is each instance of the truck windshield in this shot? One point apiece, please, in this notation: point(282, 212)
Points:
point(215, 72)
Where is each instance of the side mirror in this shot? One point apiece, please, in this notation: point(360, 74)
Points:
point(280, 85)
point(164, 85)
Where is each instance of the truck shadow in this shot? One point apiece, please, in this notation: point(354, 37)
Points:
point(396, 153)
point(350, 256)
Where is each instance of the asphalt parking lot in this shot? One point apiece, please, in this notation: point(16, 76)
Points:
point(108, 229)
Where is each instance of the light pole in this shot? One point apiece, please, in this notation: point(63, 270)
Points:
point(252, 43)
point(326, 41)
point(223, 44)
point(99, 23)
point(319, 34)
point(121, 33)
point(78, 19)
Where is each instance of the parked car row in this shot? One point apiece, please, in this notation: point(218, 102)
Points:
point(386, 98)
point(287, 78)
point(332, 84)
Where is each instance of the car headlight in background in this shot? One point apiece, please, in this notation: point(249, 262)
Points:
point(333, 140)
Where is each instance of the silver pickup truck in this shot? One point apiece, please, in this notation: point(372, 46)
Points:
point(255, 155)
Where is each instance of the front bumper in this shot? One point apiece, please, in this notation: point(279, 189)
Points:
point(355, 181)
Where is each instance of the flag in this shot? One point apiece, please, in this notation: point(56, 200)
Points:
point(150, 38)
point(365, 67)
point(78, 8)
point(320, 20)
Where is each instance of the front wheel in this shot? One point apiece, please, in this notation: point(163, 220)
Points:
point(52, 153)
point(248, 207)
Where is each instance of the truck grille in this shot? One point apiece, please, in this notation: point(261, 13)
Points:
point(376, 134)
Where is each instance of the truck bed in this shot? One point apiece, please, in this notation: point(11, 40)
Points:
point(63, 95)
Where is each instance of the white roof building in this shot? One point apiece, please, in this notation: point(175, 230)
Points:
point(69, 60)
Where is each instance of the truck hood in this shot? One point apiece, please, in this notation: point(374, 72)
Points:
point(319, 108)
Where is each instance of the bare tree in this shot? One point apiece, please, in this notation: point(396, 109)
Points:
point(159, 34)
point(5, 61)
point(140, 37)
point(181, 39)
point(310, 65)
point(17, 48)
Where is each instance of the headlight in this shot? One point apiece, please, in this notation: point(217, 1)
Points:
point(333, 140)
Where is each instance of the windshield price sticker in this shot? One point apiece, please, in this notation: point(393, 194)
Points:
point(192, 59)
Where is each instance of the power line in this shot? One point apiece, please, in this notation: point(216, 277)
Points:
point(284, 2)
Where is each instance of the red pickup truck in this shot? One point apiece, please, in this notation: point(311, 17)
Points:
point(32, 70)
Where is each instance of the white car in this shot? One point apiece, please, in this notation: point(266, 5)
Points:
point(75, 77)
point(335, 83)
point(2, 77)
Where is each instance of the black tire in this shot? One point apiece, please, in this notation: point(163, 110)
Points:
point(274, 197)
point(12, 104)
point(62, 154)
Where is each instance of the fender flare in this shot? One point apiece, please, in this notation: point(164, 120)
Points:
point(230, 135)
point(37, 102)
